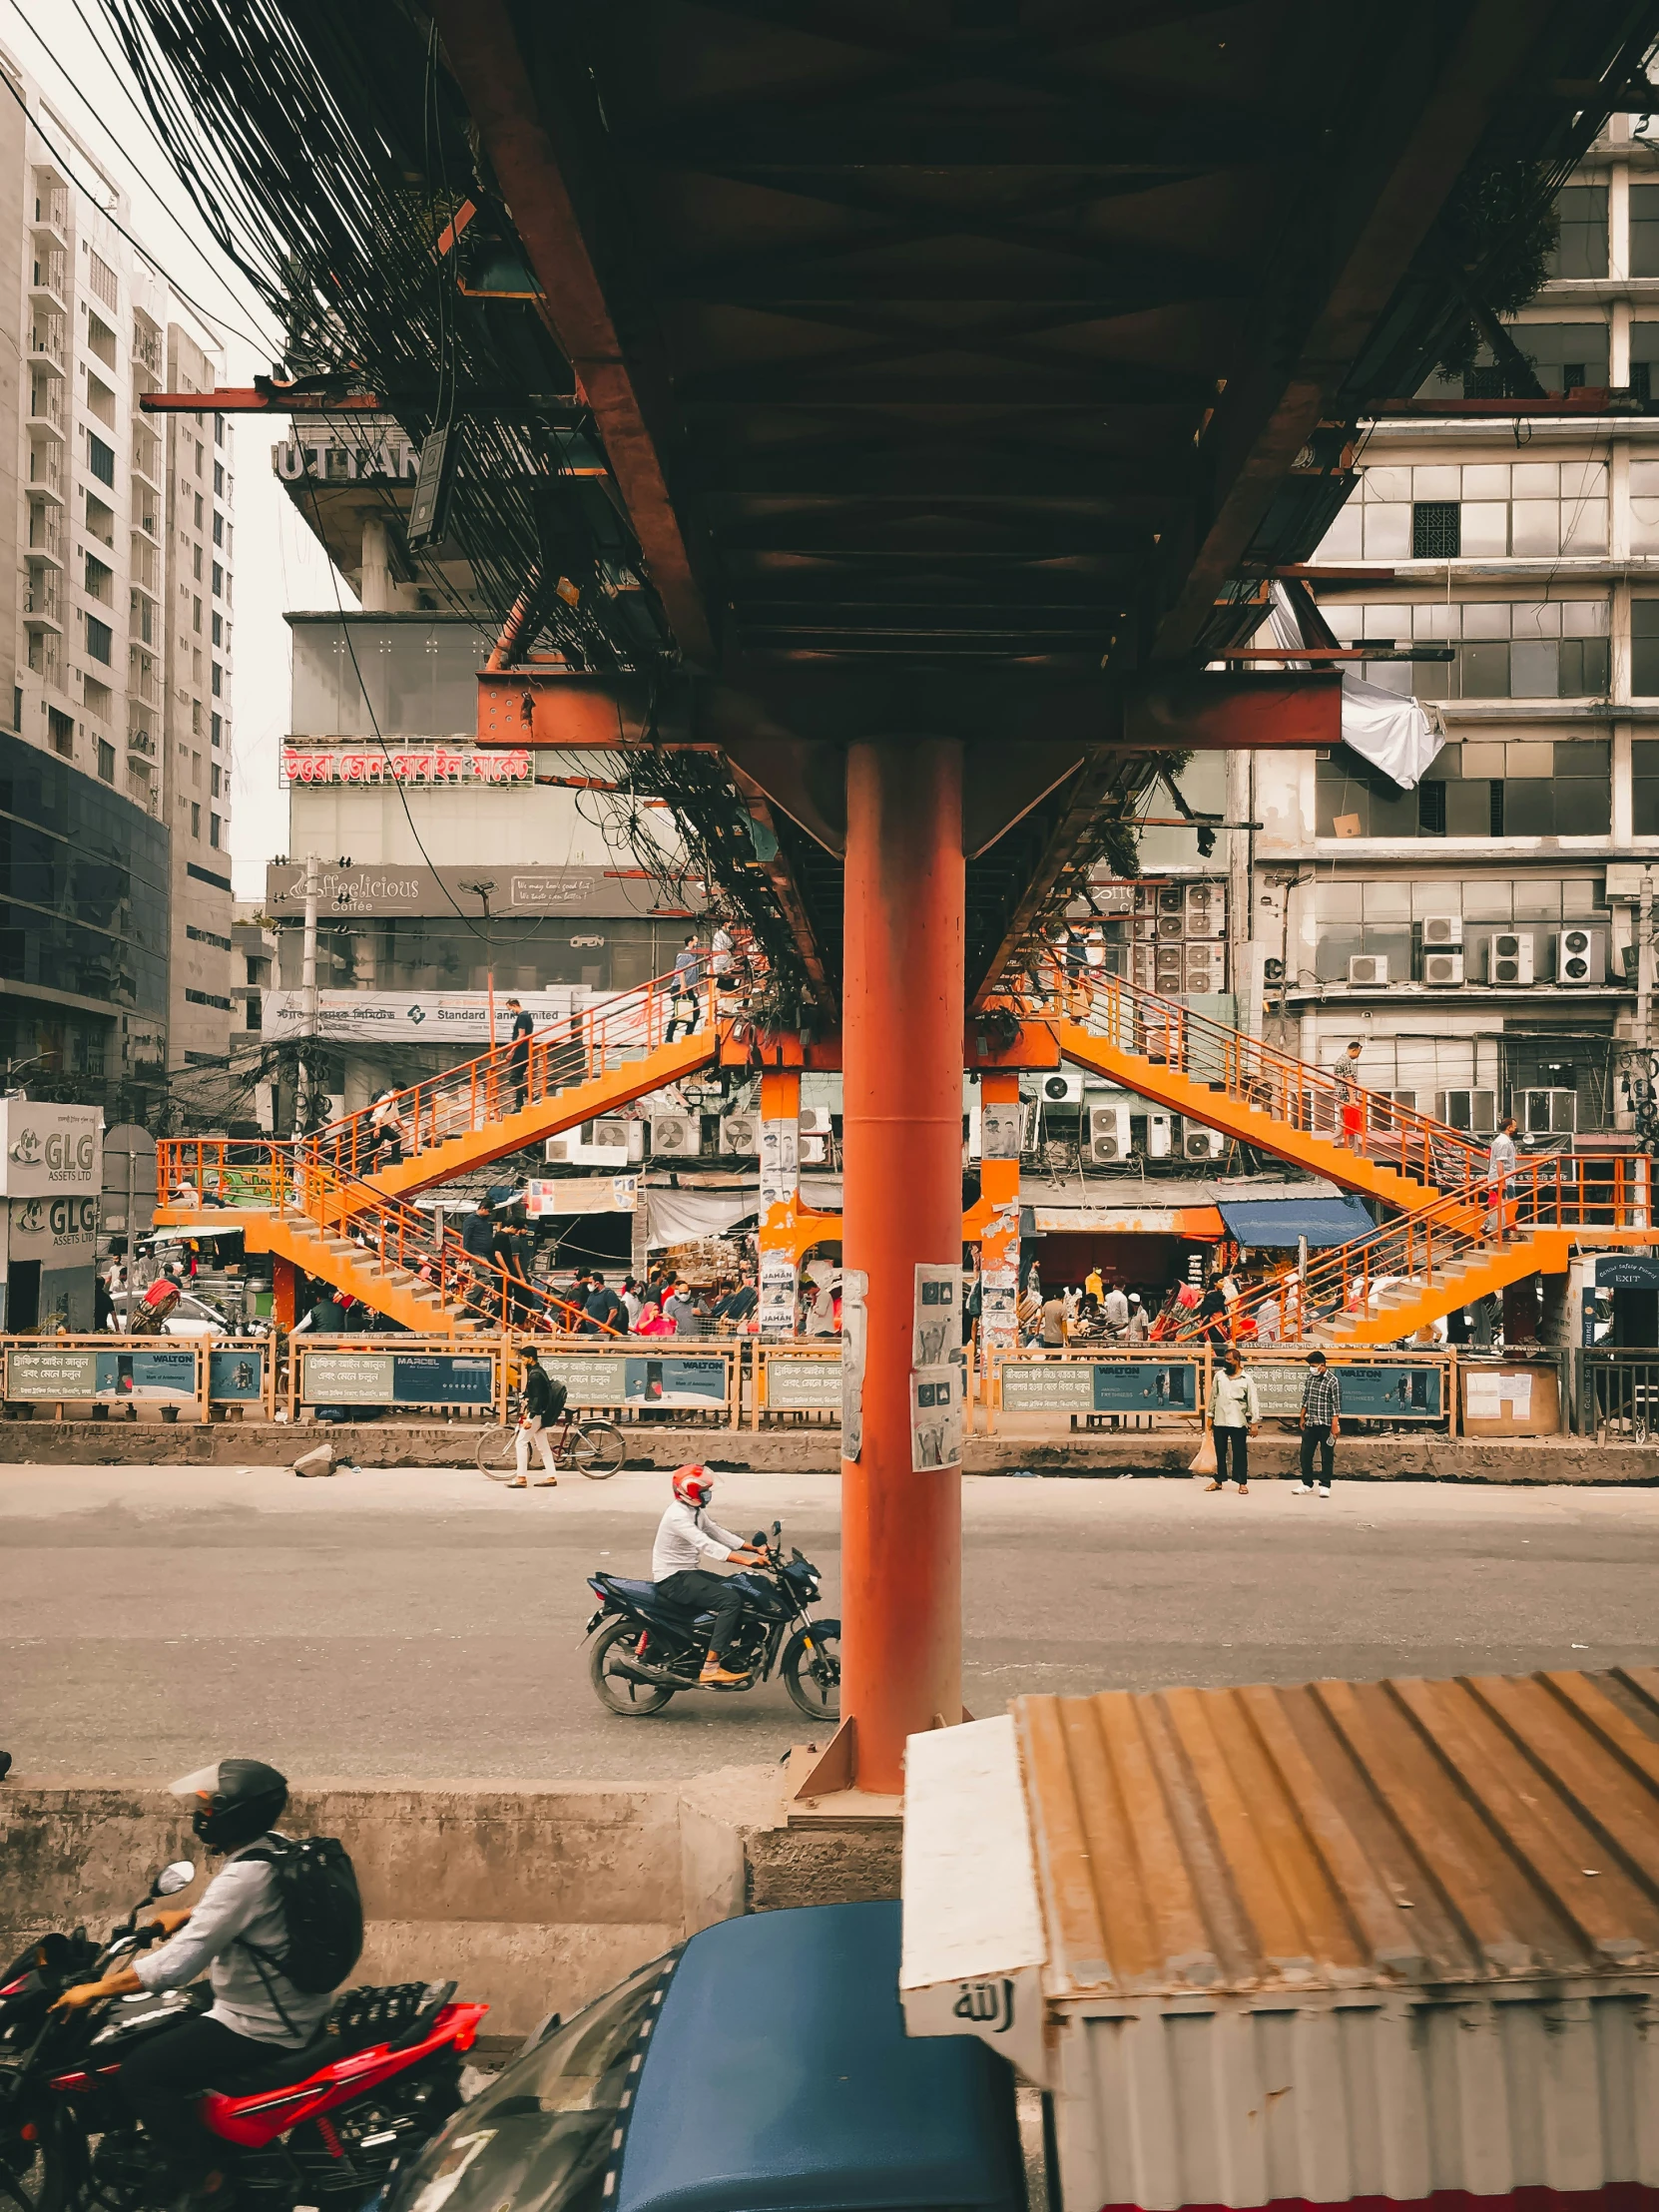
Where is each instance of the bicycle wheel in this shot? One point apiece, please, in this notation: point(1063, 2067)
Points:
point(596, 1448)
point(495, 1456)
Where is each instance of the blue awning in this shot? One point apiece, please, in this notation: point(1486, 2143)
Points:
point(1282, 1221)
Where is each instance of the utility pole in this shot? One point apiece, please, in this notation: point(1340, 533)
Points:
point(482, 893)
point(307, 987)
point(1644, 961)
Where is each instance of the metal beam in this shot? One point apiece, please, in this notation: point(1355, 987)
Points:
point(488, 65)
point(1378, 207)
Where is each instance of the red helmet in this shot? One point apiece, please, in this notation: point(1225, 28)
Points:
point(694, 1486)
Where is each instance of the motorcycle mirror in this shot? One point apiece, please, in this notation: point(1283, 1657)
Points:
point(777, 1530)
point(178, 1876)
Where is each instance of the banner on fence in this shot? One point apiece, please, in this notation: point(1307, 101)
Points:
point(630, 1378)
point(237, 1377)
point(155, 1378)
point(396, 1379)
point(1383, 1393)
point(1099, 1387)
point(803, 1386)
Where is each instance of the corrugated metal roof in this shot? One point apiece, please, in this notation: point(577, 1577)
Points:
point(1339, 1833)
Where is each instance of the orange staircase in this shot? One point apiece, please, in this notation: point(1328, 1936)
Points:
point(1201, 1069)
point(601, 1059)
point(1382, 1289)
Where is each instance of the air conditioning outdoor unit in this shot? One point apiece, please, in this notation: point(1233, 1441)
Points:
point(1545, 1113)
point(1369, 968)
point(1206, 967)
point(610, 1142)
point(815, 1150)
point(1442, 968)
point(741, 1133)
point(814, 1121)
point(1475, 1112)
point(1172, 898)
point(1143, 966)
point(1206, 909)
point(1169, 974)
point(1443, 932)
point(1199, 1143)
point(1172, 928)
point(1160, 1136)
point(1509, 956)
point(676, 1135)
point(1580, 956)
point(1063, 1088)
point(1108, 1135)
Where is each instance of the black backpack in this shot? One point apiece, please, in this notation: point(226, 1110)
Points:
point(317, 1890)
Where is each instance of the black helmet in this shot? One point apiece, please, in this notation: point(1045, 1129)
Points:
point(235, 1801)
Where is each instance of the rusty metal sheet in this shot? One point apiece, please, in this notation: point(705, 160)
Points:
point(1339, 1834)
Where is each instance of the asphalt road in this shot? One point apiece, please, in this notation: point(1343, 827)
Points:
point(418, 1624)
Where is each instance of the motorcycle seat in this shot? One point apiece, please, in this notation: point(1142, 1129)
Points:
point(639, 1593)
point(283, 2067)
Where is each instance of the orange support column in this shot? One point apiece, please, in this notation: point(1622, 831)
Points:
point(779, 1200)
point(902, 1132)
point(1000, 1120)
point(282, 1291)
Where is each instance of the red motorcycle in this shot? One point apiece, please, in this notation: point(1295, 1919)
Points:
point(321, 2126)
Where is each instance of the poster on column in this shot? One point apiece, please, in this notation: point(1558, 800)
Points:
point(855, 1338)
point(777, 1299)
point(1000, 1128)
point(937, 1326)
point(937, 1395)
point(780, 1163)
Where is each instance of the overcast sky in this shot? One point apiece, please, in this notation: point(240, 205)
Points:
point(279, 564)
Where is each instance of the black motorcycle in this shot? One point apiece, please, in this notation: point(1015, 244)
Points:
point(324, 2127)
point(649, 1650)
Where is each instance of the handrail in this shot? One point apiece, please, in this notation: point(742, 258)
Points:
point(1251, 1072)
point(510, 1076)
point(1585, 1190)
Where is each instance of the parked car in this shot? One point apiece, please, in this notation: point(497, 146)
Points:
point(194, 1315)
point(763, 2064)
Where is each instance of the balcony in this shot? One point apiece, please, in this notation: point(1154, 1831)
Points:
point(147, 457)
point(44, 658)
point(44, 405)
point(147, 348)
point(45, 532)
point(51, 224)
point(146, 566)
point(46, 341)
point(140, 741)
point(46, 471)
point(141, 679)
point(49, 281)
point(43, 600)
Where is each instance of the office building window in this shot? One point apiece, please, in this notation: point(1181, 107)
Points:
point(219, 429)
point(60, 729)
point(1502, 649)
point(1644, 786)
point(213, 829)
point(100, 458)
point(219, 480)
point(218, 729)
point(196, 614)
point(219, 628)
point(1644, 648)
point(219, 576)
point(1477, 789)
point(99, 579)
point(106, 761)
point(219, 527)
point(1437, 530)
point(1582, 244)
point(219, 680)
point(195, 562)
point(195, 819)
point(1644, 230)
point(99, 639)
point(198, 510)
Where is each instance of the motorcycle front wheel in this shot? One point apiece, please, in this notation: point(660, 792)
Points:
point(630, 1700)
point(811, 1670)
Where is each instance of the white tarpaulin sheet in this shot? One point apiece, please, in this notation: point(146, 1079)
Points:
point(676, 1217)
point(1401, 736)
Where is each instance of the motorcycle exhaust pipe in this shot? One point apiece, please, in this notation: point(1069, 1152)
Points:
point(655, 1678)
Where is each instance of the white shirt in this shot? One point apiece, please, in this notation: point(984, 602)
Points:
point(241, 1899)
point(1500, 1161)
point(1115, 1306)
point(634, 1303)
point(1234, 1402)
point(686, 1537)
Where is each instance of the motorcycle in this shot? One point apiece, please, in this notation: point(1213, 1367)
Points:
point(323, 2126)
point(648, 1650)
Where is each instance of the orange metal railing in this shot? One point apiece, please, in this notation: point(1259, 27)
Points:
point(1611, 1190)
point(1304, 1098)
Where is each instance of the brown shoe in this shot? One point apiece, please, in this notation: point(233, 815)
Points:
point(1211, 1486)
point(718, 1676)
point(1243, 1490)
point(546, 1482)
point(518, 1483)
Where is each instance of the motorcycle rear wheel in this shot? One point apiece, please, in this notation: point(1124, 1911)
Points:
point(630, 1700)
point(813, 1677)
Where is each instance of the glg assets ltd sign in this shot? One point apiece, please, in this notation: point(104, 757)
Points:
point(49, 1151)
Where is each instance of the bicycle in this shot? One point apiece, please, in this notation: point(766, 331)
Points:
point(595, 1448)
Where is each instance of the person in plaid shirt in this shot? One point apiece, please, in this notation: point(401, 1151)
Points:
point(1321, 1406)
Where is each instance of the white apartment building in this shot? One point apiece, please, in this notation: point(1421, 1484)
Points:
point(115, 613)
point(1476, 933)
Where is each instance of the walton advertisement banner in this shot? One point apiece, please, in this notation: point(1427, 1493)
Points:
point(164, 1378)
point(49, 1151)
point(586, 893)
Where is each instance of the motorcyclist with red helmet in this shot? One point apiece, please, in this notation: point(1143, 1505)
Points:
point(685, 1535)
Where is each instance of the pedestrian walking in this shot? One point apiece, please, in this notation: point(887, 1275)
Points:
point(1054, 1327)
point(604, 1311)
point(1350, 1098)
point(518, 1053)
point(1322, 1407)
point(542, 1402)
point(1501, 1165)
point(1235, 1416)
point(688, 973)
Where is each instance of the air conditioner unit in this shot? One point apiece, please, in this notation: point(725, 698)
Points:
point(1443, 932)
point(1388, 1106)
point(1143, 966)
point(677, 1136)
point(1063, 1088)
point(815, 1150)
point(1206, 909)
point(814, 1121)
point(609, 1134)
point(1108, 1135)
point(1199, 1143)
point(1369, 970)
point(610, 1142)
point(1172, 898)
point(1442, 968)
point(741, 1133)
point(1545, 1113)
point(1580, 955)
point(1172, 926)
point(1206, 967)
point(1170, 971)
point(1509, 956)
point(1160, 1136)
point(1475, 1112)
point(1145, 928)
